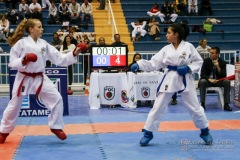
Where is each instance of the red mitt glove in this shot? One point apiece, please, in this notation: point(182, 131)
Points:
point(30, 57)
point(83, 46)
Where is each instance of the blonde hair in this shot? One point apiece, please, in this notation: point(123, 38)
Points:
point(201, 41)
point(23, 26)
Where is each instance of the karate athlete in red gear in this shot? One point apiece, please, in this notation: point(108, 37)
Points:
point(28, 55)
point(181, 60)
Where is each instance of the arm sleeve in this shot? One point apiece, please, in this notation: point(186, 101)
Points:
point(16, 56)
point(58, 58)
point(196, 60)
point(154, 64)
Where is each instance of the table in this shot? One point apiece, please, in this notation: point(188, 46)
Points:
point(142, 86)
point(108, 89)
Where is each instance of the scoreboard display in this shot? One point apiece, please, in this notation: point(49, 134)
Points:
point(109, 57)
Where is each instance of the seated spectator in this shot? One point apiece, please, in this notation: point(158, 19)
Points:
point(214, 68)
point(86, 12)
point(174, 7)
point(72, 39)
point(203, 49)
point(182, 7)
point(56, 41)
point(155, 11)
point(35, 10)
point(102, 5)
point(138, 27)
point(154, 30)
point(53, 14)
point(74, 11)
point(63, 12)
point(136, 57)
point(167, 10)
point(13, 4)
point(206, 6)
point(23, 10)
point(101, 41)
point(118, 41)
point(12, 16)
point(4, 28)
point(192, 7)
point(65, 48)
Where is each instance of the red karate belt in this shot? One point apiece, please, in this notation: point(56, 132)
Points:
point(33, 75)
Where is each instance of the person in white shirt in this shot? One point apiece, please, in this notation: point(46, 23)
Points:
point(66, 47)
point(74, 11)
point(193, 7)
point(23, 10)
point(35, 10)
point(53, 14)
point(203, 49)
point(138, 27)
point(87, 11)
point(4, 28)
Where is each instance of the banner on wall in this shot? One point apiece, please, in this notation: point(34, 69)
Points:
point(237, 85)
point(34, 107)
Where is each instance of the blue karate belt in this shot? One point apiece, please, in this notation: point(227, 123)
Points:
point(173, 68)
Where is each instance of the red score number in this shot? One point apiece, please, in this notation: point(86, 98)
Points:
point(118, 60)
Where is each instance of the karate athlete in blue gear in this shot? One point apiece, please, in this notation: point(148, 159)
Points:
point(181, 60)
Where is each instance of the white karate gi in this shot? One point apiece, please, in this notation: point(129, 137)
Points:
point(193, 6)
point(45, 3)
point(159, 14)
point(185, 54)
point(49, 95)
point(139, 29)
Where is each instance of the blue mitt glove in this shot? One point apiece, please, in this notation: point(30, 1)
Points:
point(182, 70)
point(134, 67)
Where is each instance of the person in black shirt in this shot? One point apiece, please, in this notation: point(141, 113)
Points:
point(213, 69)
point(118, 41)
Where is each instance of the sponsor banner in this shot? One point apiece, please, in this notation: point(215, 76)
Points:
point(32, 106)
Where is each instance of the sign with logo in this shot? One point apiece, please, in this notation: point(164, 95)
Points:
point(35, 107)
point(109, 92)
point(145, 92)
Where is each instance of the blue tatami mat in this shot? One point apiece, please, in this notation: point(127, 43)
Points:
point(179, 145)
point(82, 147)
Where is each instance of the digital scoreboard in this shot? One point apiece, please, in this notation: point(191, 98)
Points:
point(109, 57)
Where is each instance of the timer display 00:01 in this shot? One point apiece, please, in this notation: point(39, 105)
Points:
point(109, 56)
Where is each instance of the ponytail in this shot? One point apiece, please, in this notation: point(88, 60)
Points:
point(23, 26)
point(18, 33)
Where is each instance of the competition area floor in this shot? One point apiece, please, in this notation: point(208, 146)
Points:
point(114, 134)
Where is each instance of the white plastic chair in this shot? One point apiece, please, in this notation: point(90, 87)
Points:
point(230, 71)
